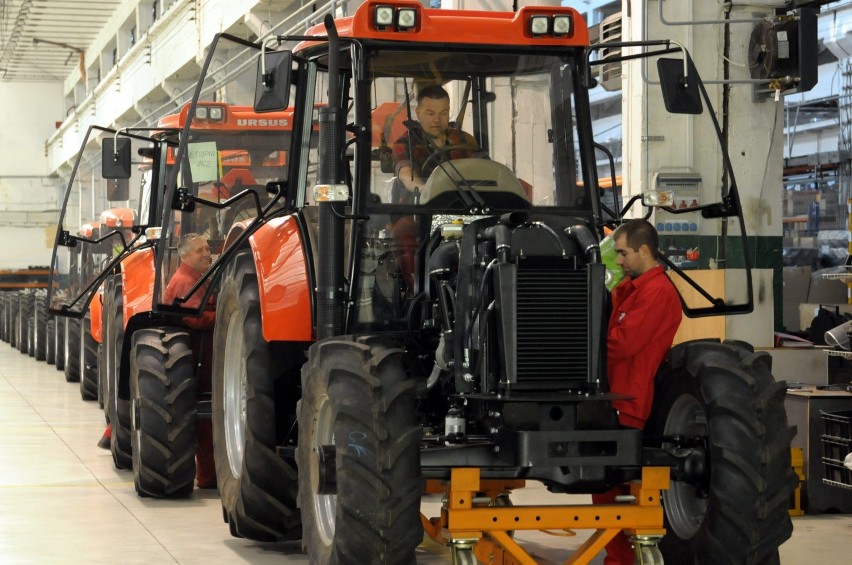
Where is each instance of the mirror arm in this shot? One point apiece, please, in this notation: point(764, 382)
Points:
point(183, 200)
point(66, 240)
point(725, 209)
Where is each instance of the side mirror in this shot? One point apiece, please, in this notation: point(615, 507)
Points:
point(680, 92)
point(272, 88)
point(115, 158)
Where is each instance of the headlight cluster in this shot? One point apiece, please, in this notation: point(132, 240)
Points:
point(555, 26)
point(210, 113)
point(389, 17)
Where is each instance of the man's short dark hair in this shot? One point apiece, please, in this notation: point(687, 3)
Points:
point(435, 91)
point(638, 233)
point(185, 240)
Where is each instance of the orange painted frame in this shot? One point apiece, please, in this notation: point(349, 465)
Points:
point(96, 308)
point(282, 278)
point(137, 280)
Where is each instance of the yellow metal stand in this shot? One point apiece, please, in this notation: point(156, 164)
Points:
point(797, 459)
point(486, 531)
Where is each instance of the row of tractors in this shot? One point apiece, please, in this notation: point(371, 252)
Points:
point(68, 344)
point(367, 351)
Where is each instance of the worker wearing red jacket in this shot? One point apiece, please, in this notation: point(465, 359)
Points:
point(646, 313)
point(195, 260)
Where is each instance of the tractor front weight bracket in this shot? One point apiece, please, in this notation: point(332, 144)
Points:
point(487, 530)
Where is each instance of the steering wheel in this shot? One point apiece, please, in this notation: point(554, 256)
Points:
point(439, 153)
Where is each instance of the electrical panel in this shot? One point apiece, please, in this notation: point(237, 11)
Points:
point(686, 188)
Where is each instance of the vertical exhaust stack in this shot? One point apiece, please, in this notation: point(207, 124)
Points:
point(330, 237)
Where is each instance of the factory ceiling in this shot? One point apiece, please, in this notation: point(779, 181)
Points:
point(45, 40)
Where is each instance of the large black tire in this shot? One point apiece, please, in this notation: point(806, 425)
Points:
point(257, 486)
point(118, 409)
point(50, 341)
point(40, 331)
point(357, 395)
point(26, 307)
point(739, 514)
point(31, 325)
point(3, 316)
point(14, 327)
point(101, 369)
point(103, 348)
point(88, 361)
point(59, 342)
point(163, 412)
point(72, 349)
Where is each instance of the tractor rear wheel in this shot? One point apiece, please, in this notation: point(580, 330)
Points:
point(738, 512)
point(88, 361)
point(358, 422)
point(50, 342)
point(118, 408)
point(3, 319)
point(101, 370)
point(26, 306)
point(163, 412)
point(59, 341)
point(72, 349)
point(40, 328)
point(254, 394)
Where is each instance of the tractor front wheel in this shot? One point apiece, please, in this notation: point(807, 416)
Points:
point(360, 481)
point(163, 412)
point(737, 512)
point(88, 361)
point(72, 349)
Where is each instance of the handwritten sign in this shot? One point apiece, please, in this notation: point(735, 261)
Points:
point(204, 161)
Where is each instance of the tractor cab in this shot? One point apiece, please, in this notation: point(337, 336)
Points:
point(103, 184)
point(230, 172)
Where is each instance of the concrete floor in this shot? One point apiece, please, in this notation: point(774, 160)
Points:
point(63, 501)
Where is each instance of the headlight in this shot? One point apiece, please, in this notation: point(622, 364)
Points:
point(384, 16)
point(561, 25)
point(200, 113)
point(216, 113)
point(406, 18)
point(539, 25)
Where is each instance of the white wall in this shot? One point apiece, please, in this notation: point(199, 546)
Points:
point(28, 194)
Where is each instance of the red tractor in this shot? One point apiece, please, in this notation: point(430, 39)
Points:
point(115, 299)
point(369, 349)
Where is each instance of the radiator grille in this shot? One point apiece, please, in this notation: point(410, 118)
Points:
point(552, 324)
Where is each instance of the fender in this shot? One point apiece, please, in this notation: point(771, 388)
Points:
point(96, 308)
point(137, 280)
point(282, 278)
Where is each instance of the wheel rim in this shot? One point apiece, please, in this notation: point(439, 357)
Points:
point(136, 456)
point(684, 508)
point(234, 395)
point(325, 505)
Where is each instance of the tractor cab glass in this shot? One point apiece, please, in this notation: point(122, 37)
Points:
point(446, 133)
point(456, 137)
point(103, 216)
point(231, 165)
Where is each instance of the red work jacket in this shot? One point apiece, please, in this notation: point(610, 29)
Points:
point(646, 313)
point(184, 278)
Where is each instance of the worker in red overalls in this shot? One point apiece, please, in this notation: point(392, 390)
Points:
point(646, 312)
